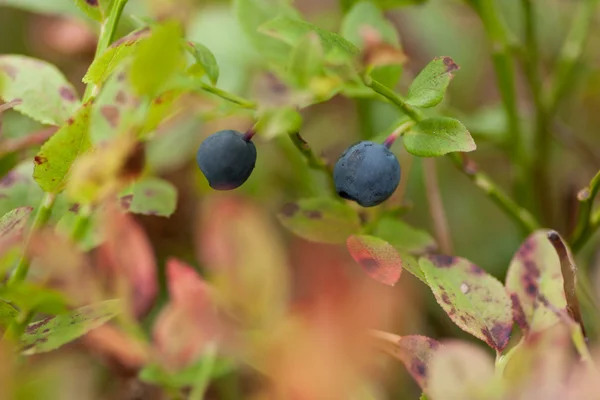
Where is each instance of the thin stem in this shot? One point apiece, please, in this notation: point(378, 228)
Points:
point(393, 98)
point(41, 218)
point(107, 34)
point(436, 206)
point(520, 215)
point(390, 140)
point(10, 105)
point(500, 42)
point(203, 379)
point(313, 161)
point(584, 226)
point(240, 101)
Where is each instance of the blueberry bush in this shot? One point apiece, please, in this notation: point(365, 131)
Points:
point(217, 199)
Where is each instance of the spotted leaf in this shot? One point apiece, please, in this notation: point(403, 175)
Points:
point(474, 300)
point(320, 220)
point(379, 259)
point(150, 196)
point(533, 272)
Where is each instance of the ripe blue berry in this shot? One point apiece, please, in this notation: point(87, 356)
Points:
point(367, 173)
point(226, 159)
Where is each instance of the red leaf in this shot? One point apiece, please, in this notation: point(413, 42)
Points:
point(380, 260)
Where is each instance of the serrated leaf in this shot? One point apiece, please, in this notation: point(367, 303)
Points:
point(320, 220)
point(95, 9)
point(57, 155)
point(459, 370)
point(474, 300)
point(534, 271)
point(291, 31)
point(434, 137)
point(7, 313)
point(150, 196)
point(44, 93)
point(404, 237)
point(104, 65)
point(378, 258)
point(366, 14)
point(278, 121)
point(157, 59)
point(53, 332)
point(429, 87)
point(414, 351)
point(205, 60)
point(251, 14)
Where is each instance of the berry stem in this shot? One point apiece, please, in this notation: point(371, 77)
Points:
point(249, 134)
point(389, 141)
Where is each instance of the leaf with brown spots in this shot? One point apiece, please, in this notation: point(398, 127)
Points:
point(428, 88)
point(474, 300)
point(57, 155)
point(151, 196)
point(378, 258)
point(534, 271)
point(461, 370)
point(414, 351)
point(45, 94)
point(320, 220)
point(53, 332)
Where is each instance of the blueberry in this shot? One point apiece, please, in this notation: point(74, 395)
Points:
point(226, 159)
point(367, 173)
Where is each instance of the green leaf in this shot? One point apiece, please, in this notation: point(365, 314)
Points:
point(429, 87)
point(63, 7)
point(155, 374)
point(378, 258)
point(12, 225)
point(102, 67)
point(55, 158)
point(95, 9)
point(150, 196)
point(53, 332)
point(411, 264)
point(404, 237)
point(278, 121)
point(382, 4)
point(205, 61)
point(320, 220)
point(534, 271)
point(292, 31)
point(474, 300)
point(45, 94)
point(157, 59)
point(366, 13)
point(28, 296)
point(251, 14)
point(306, 60)
point(7, 313)
point(438, 136)
point(414, 351)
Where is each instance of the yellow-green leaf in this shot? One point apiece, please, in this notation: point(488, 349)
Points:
point(434, 137)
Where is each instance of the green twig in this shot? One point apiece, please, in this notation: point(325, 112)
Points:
point(41, 218)
point(240, 101)
point(584, 227)
point(204, 376)
point(312, 159)
point(520, 215)
point(407, 109)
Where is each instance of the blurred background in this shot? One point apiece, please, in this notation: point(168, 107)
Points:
point(479, 230)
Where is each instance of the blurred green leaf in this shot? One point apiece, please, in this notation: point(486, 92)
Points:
point(435, 137)
point(534, 271)
point(104, 65)
point(157, 59)
point(474, 300)
point(306, 60)
point(206, 62)
point(404, 237)
point(291, 31)
point(278, 121)
point(411, 264)
point(57, 155)
point(91, 238)
point(44, 93)
point(378, 258)
point(320, 220)
point(29, 296)
point(12, 225)
point(251, 14)
point(7, 313)
point(155, 374)
point(67, 7)
point(95, 9)
point(366, 13)
point(150, 196)
point(53, 332)
point(382, 4)
point(429, 87)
